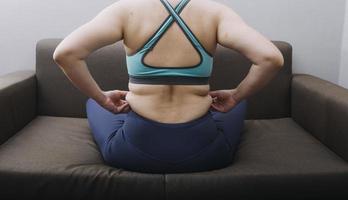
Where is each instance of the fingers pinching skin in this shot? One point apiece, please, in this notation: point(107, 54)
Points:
point(222, 100)
point(122, 93)
point(121, 108)
point(115, 101)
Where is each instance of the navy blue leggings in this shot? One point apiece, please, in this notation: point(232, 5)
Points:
point(133, 142)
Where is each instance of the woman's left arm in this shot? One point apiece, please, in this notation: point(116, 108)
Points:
point(104, 29)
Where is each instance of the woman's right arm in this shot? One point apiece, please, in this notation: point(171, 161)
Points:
point(234, 33)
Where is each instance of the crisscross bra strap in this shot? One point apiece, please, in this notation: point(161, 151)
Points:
point(182, 24)
point(163, 28)
point(181, 76)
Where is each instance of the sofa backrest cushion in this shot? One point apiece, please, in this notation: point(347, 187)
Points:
point(57, 96)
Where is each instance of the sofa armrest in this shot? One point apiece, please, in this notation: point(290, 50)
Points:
point(17, 102)
point(321, 108)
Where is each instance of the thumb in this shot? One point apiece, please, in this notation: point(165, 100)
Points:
point(214, 93)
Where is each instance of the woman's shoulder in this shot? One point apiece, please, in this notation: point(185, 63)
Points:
point(206, 5)
point(211, 9)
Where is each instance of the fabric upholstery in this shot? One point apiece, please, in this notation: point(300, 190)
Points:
point(56, 157)
point(321, 107)
point(58, 97)
point(277, 159)
point(17, 101)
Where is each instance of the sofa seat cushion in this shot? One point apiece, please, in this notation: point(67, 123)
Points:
point(56, 157)
point(276, 159)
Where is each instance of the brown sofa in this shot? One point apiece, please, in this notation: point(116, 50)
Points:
point(294, 145)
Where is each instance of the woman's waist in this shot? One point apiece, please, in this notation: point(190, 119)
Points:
point(169, 108)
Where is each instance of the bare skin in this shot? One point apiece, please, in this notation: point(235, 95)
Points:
point(134, 21)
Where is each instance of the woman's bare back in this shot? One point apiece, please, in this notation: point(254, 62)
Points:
point(170, 103)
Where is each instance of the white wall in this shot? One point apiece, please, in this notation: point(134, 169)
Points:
point(343, 75)
point(24, 22)
point(313, 27)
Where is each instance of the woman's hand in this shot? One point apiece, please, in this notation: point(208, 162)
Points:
point(114, 101)
point(223, 100)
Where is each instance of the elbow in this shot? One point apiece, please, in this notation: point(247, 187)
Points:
point(274, 60)
point(59, 56)
point(278, 60)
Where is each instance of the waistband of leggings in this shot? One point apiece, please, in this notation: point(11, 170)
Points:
point(193, 122)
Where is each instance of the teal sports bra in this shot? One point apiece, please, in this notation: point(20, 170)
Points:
point(140, 72)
